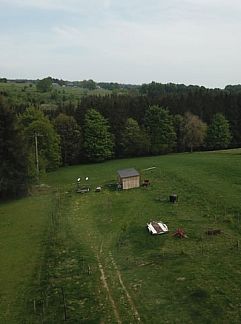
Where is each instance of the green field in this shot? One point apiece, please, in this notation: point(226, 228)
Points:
point(90, 259)
point(26, 94)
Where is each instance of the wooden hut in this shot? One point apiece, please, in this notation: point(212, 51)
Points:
point(129, 178)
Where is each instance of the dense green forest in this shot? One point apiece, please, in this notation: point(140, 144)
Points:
point(48, 123)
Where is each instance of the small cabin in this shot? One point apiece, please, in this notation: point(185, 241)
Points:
point(128, 178)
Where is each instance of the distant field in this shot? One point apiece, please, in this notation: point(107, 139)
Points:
point(27, 94)
point(100, 265)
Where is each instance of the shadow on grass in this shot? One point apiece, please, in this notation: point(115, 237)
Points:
point(111, 185)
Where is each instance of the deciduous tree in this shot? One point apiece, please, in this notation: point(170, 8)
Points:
point(88, 84)
point(218, 134)
point(44, 85)
point(194, 131)
point(36, 124)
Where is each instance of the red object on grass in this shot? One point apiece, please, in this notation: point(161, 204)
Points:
point(180, 233)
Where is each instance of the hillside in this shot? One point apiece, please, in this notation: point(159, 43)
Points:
point(91, 258)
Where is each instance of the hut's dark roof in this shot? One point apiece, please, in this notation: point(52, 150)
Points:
point(126, 173)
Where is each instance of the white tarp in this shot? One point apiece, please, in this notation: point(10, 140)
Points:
point(157, 227)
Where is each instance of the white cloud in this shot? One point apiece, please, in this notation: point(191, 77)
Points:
point(134, 41)
point(80, 6)
point(131, 7)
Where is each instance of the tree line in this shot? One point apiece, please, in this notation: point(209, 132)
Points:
point(101, 128)
point(132, 101)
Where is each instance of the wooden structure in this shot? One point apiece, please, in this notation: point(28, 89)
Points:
point(128, 178)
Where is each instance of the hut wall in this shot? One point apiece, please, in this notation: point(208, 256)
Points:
point(132, 182)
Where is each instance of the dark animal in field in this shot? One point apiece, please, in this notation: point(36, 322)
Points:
point(173, 198)
point(213, 231)
point(146, 183)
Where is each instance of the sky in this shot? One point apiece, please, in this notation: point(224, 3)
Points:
point(127, 41)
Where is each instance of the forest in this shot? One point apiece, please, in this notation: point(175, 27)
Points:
point(48, 123)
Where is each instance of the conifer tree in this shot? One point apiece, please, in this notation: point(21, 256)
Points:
point(70, 138)
point(159, 125)
point(98, 141)
point(13, 161)
point(134, 140)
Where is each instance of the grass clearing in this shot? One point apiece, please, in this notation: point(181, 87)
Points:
point(23, 227)
point(102, 266)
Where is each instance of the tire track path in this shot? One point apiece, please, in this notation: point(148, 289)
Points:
point(105, 284)
point(128, 296)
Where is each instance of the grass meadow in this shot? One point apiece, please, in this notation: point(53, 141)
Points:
point(88, 258)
